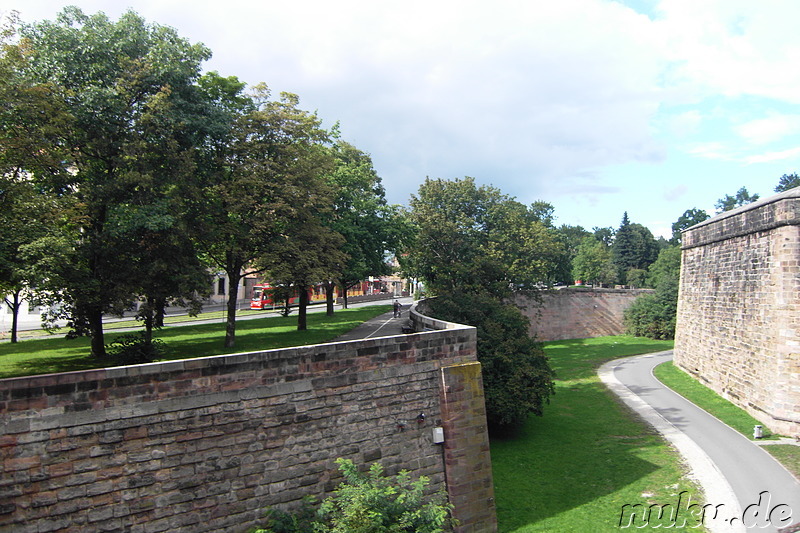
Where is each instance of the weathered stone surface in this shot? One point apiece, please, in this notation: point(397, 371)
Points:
point(738, 326)
point(577, 313)
point(210, 444)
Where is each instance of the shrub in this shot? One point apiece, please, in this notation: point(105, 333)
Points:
point(135, 348)
point(370, 503)
point(517, 378)
point(653, 315)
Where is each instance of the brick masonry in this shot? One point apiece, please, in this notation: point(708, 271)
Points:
point(577, 313)
point(209, 444)
point(738, 325)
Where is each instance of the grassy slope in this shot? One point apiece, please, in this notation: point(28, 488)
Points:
point(574, 468)
point(43, 356)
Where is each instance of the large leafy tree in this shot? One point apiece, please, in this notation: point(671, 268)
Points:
point(32, 123)
point(360, 214)
point(473, 247)
point(571, 238)
point(127, 86)
point(689, 218)
point(265, 172)
point(592, 262)
point(477, 239)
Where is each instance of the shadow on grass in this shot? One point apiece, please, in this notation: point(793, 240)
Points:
point(575, 467)
point(571, 456)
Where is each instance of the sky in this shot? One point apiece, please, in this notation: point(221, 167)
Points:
point(599, 107)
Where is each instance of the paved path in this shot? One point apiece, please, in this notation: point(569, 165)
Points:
point(380, 326)
point(734, 471)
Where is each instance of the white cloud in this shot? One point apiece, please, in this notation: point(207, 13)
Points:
point(712, 150)
point(770, 129)
point(734, 47)
point(544, 99)
point(772, 156)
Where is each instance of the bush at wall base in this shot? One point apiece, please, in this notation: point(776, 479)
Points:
point(369, 503)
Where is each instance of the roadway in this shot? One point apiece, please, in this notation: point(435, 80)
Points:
point(747, 487)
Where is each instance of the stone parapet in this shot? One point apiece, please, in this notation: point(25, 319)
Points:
point(209, 444)
point(761, 216)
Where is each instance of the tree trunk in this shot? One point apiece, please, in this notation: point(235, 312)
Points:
point(15, 305)
point(95, 317)
point(234, 271)
point(343, 286)
point(149, 319)
point(161, 311)
point(230, 319)
point(329, 290)
point(302, 303)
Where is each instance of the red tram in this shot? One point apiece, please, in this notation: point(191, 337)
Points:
point(264, 296)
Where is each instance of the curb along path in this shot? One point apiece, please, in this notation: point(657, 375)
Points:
point(749, 489)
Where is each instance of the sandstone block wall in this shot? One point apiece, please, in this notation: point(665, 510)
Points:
point(738, 325)
point(577, 313)
point(209, 444)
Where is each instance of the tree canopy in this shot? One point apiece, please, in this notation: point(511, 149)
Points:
point(154, 175)
point(689, 218)
point(634, 248)
point(788, 181)
point(728, 202)
point(474, 246)
point(126, 87)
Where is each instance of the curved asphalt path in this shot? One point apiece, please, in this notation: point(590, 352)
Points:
point(732, 470)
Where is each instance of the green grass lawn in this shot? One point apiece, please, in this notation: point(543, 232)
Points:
point(44, 356)
point(735, 417)
point(574, 468)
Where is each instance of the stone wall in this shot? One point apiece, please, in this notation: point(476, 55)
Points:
point(738, 325)
point(577, 313)
point(209, 444)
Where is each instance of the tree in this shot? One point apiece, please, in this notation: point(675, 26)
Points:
point(788, 181)
point(605, 235)
point(542, 212)
point(593, 263)
point(127, 87)
point(689, 218)
point(25, 218)
point(634, 247)
point(728, 202)
point(570, 238)
point(622, 249)
point(645, 246)
point(476, 239)
point(473, 247)
point(32, 124)
point(654, 315)
point(306, 253)
point(362, 216)
point(261, 178)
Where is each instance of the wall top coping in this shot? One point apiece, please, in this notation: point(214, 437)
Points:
point(781, 209)
point(431, 323)
point(791, 193)
point(212, 361)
